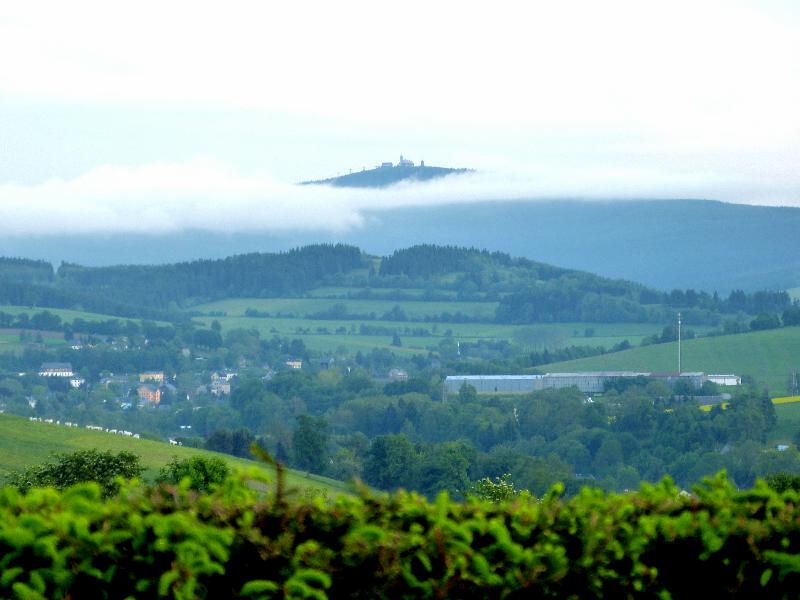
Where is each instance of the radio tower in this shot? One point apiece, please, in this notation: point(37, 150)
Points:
point(679, 343)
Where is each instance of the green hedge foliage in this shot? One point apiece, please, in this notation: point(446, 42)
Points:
point(241, 541)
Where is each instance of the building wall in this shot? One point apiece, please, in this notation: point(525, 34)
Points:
point(588, 383)
point(492, 385)
point(157, 377)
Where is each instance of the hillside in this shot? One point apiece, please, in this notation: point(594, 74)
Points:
point(380, 177)
point(526, 291)
point(24, 443)
point(663, 244)
point(767, 356)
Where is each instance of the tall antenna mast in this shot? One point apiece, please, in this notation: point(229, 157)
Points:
point(679, 343)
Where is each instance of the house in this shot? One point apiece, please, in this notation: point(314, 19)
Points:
point(148, 393)
point(326, 362)
point(294, 363)
point(404, 162)
point(56, 369)
point(225, 376)
point(398, 375)
point(77, 382)
point(220, 387)
point(151, 376)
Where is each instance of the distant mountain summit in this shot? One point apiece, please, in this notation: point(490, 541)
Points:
point(387, 174)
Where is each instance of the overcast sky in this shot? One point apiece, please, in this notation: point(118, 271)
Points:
point(158, 116)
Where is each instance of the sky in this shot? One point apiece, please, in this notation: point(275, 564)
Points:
point(154, 116)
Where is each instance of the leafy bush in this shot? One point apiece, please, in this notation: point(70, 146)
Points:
point(65, 470)
point(499, 489)
point(203, 474)
point(237, 542)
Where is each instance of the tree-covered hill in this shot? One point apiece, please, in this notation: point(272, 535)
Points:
point(527, 291)
point(386, 176)
point(663, 244)
point(258, 274)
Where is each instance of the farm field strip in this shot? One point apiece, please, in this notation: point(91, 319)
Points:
point(68, 314)
point(786, 400)
point(302, 307)
point(65, 313)
point(341, 293)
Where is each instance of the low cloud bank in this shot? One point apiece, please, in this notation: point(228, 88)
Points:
point(206, 195)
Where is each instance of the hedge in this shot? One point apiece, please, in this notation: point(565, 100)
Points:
point(242, 542)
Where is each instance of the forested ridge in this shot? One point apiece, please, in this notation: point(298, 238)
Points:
point(527, 291)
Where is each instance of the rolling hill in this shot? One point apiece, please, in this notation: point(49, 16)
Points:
point(24, 443)
point(665, 244)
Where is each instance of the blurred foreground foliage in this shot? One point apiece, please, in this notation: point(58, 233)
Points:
point(250, 537)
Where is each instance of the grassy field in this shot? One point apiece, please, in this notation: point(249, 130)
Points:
point(767, 356)
point(24, 443)
point(787, 426)
point(794, 293)
point(534, 337)
point(65, 313)
point(289, 318)
point(302, 307)
point(10, 342)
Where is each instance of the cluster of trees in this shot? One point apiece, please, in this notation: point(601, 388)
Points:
point(67, 469)
point(247, 275)
point(25, 270)
point(428, 260)
point(54, 296)
point(789, 318)
point(401, 434)
point(48, 321)
point(107, 468)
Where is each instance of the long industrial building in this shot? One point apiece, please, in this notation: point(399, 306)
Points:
point(586, 382)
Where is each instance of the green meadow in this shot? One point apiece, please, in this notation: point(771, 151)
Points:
point(767, 356)
point(787, 426)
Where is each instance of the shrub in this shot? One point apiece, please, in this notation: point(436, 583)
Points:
point(204, 474)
